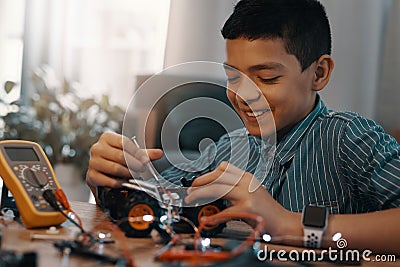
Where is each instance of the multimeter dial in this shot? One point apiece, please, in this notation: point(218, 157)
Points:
point(35, 176)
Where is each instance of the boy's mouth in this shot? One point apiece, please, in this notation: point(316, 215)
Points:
point(255, 116)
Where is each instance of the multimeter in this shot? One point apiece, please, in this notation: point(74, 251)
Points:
point(27, 173)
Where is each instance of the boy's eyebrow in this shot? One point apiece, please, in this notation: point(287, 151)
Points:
point(266, 66)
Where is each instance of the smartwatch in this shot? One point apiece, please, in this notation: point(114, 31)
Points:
point(315, 220)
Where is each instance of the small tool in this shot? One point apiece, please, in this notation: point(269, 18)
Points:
point(152, 172)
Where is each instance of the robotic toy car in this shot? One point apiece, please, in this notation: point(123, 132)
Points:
point(138, 199)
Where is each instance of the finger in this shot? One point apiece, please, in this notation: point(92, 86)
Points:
point(251, 180)
point(114, 161)
point(113, 153)
point(230, 167)
point(108, 152)
point(134, 163)
point(139, 165)
point(225, 173)
point(112, 139)
point(110, 168)
point(95, 178)
point(224, 216)
point(143, 155)
point(213, 192)
point(216, 174)
point(154, 154)
point(206, 179)
point(130, 148)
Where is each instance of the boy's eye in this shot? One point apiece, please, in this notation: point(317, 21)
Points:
point(233, 80)
point(269, 80)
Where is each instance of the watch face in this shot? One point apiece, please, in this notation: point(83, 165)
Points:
point(314, 216)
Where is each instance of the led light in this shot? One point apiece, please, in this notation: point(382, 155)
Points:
point(336, 236)
point(102, 235)
point(148, 218)
point(206, 242)
point(267, 238)
point(163, 218)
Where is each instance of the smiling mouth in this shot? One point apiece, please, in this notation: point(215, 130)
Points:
point(256, 113)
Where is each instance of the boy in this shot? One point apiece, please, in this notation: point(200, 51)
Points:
point(338, 162)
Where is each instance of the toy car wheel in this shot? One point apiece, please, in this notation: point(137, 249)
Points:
point(139, 204)
point(196, 213)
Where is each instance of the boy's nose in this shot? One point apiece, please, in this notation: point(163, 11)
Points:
point(248, 92)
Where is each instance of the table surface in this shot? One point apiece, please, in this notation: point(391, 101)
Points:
point(18, 239)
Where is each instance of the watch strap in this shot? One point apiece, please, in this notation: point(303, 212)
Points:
point(312, 237)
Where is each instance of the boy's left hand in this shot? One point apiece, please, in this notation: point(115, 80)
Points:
point(242, 189)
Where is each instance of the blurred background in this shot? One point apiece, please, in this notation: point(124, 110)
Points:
point(68, 68)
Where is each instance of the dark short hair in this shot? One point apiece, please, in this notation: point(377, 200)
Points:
point(302, 24)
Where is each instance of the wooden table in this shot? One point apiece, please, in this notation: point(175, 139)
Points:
point(17, 238)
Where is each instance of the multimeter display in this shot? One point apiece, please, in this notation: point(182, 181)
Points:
point(27, 173)
point(21, 154)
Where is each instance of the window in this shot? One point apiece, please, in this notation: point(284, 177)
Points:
point(100, 44)
point(11, 46)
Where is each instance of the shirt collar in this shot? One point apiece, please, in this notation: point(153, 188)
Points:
point(287, 147)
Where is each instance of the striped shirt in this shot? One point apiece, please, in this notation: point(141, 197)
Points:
point(335, 159)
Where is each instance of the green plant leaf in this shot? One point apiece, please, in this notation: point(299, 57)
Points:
point(49, 120)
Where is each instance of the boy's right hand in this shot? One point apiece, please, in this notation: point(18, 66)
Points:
point(110, 157)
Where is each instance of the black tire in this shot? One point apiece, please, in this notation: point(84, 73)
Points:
point(138, 204)
point(195, 213)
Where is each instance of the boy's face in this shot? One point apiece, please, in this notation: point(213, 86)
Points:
point(280, 82)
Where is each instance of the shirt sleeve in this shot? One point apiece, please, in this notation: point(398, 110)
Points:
point(370, 161)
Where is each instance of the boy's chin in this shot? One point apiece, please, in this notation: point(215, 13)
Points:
point(263, 133)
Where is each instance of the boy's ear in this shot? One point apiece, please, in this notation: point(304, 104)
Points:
point(323, 70)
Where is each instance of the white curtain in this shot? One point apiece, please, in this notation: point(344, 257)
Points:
point(101, 44)
point(11, 48)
